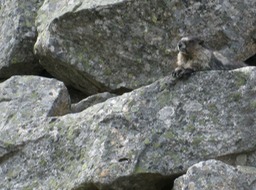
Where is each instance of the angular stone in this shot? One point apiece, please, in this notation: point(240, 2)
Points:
point(105, 45)
point(212, 175)
point(29, 97)
point(26, 102)
point(25, 99)
point(17, 37)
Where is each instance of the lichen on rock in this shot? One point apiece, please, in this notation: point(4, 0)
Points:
point(99, 46)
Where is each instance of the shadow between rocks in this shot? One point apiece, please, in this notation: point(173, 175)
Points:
point(143, 181)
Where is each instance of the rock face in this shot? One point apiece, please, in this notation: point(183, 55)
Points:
point(105, 45)
point(137, 140)
point(17, 37)
point(212, 175)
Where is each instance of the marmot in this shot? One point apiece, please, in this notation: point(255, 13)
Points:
point(194, 56)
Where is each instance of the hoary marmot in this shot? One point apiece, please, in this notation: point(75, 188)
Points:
point(194, 56)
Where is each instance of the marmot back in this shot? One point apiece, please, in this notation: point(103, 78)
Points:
point(194, 56)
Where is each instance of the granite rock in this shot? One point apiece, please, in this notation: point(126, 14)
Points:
point(105, 45)
point(139, 140)
point(212, 174)
point(18, 35)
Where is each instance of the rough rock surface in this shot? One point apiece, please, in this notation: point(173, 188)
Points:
point(104, 45)
point(137, 140)
point(17, 37)
point(27, 99)
point(25, 103)
point(90, 101)
point(212, 175)
point(21, 94)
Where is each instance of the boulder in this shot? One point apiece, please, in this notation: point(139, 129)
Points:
point(26, 100)
point(105, 45)
point(22, 94)
point(139, 140)
point(90, 101)
point(212, 175)
point(17, 37)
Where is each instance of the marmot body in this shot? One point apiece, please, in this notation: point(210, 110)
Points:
point(193, 56)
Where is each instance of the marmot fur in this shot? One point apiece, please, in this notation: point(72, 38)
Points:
point(194, 56)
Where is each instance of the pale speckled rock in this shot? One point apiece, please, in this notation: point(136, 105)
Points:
point(104, 45)
point(32, 97)
point(213, 175)
point(17, 37)
point(90, 101)
point(140, 139)
point(25, 101)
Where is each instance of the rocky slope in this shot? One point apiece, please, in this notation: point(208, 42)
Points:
point(164, 134)
point(135, 141)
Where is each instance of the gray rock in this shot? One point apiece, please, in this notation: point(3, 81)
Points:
point(90, 101)
point(22, 94)
point(212, 175)
point(137, 140)
point(17, 37)
point(26, 102)
point(105, 45)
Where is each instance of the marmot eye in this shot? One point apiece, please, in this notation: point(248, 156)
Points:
point(180, 45)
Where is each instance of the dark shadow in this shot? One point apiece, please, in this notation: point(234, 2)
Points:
point(143, 181)
point(251, 61)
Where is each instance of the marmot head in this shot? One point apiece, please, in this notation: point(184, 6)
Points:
point(189, 45)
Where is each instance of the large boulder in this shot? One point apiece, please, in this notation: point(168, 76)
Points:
point(135, 141)
point(26, 102)
point(106, 45)
point(212, 175)
point(17, 37)
point(28, 99)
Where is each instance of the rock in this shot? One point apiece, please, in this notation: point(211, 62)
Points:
point(26, 102)
point(212, 175)
point(90, 101)
point(21, 94)
point(17, 37)
point(105, 45)
point(138, 140)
